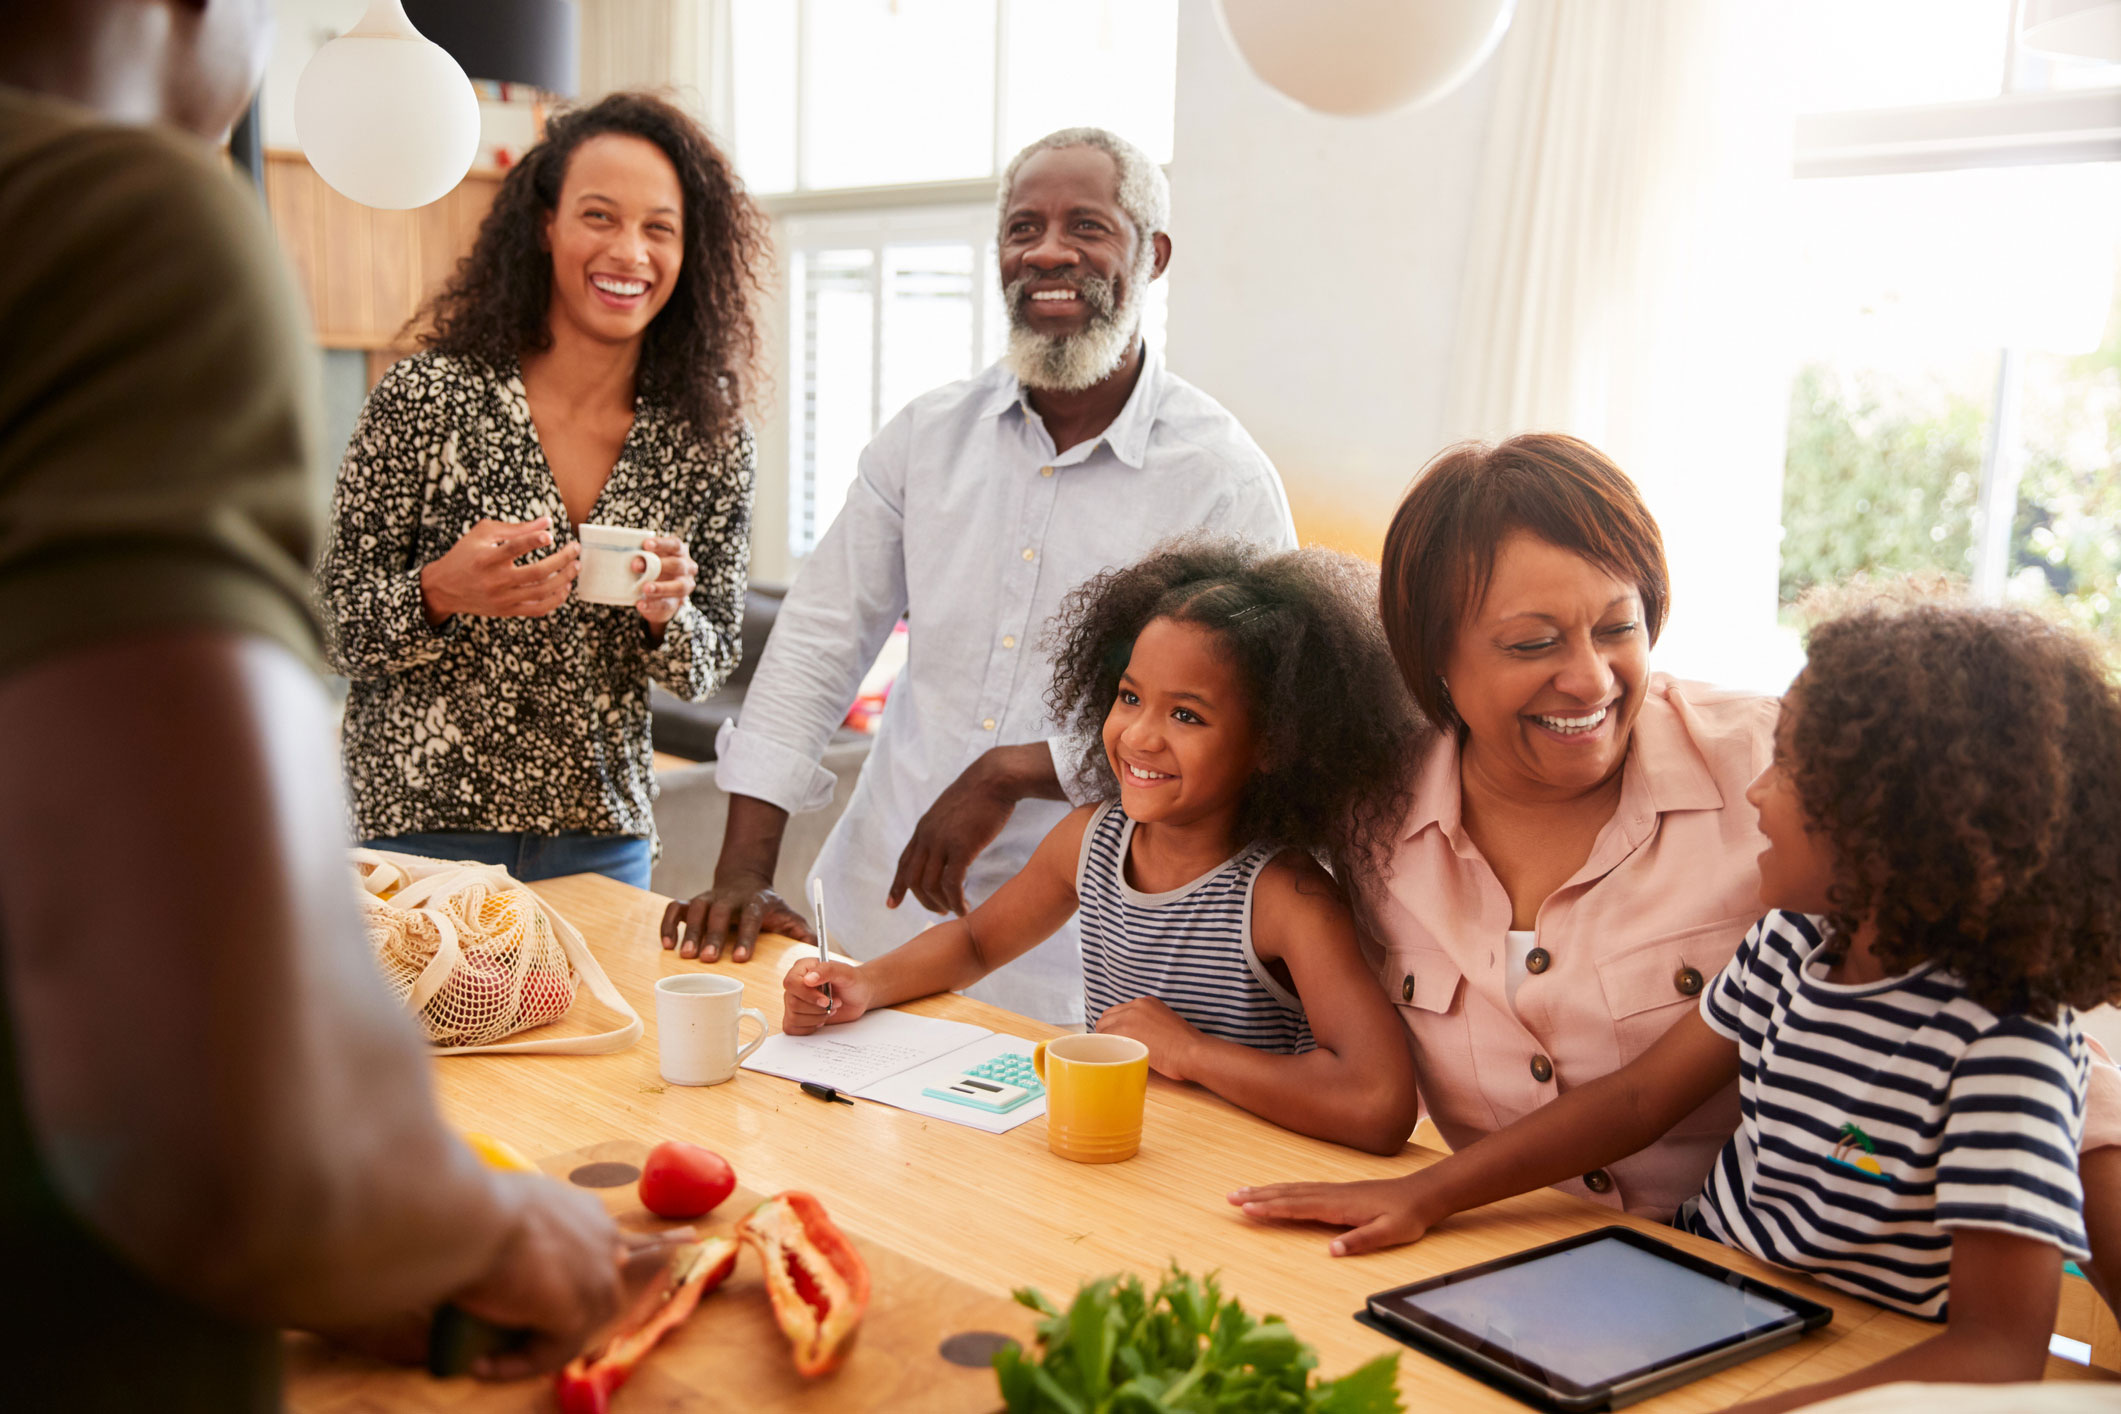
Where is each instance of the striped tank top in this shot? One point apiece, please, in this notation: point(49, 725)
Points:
point(1189, 947)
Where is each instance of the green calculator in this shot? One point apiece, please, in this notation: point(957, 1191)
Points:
point(998, 1085)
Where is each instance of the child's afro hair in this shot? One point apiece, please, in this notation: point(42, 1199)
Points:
point(1338, 732)
point(1964, 765)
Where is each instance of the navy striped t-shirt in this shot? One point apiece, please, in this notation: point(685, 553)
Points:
point(1879, 1117)
point(1188, 947)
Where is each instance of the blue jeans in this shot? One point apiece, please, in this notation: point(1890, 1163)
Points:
point(530, 857)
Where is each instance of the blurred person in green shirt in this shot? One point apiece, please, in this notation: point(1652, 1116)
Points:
point(214, 1121)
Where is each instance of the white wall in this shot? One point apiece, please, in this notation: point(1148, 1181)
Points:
point(1316, 286)
point(1315, 273)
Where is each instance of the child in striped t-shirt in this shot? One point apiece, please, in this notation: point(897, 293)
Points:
point(1943, 817)
point(1240, 719)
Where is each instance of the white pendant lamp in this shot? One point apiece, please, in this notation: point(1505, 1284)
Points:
point(386, 117)
point(2076, 29)
point(1358, 57)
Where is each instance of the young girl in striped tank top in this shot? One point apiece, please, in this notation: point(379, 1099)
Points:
point(1943, 817)
point(1240, 721)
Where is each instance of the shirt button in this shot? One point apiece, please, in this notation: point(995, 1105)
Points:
point(988, 725)
point(1537, 960)
point(1687, 980)
point(1542, 1069)
point(1406, 988)
point(1029, 553)
point(1045, 471)
point(1008, 640)
point(1598, 1181)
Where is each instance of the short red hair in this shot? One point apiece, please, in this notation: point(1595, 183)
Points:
point(1440, 552)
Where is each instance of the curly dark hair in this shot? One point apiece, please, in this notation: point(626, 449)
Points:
point(1964, 765)
point(1337, 729)
point(702, 356)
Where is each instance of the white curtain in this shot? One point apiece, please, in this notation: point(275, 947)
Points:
point(654, 44)
point(1623, 285)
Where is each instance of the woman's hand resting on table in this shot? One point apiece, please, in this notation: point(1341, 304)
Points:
point(660, 601)
point(804, 1006)
point(479, 575)
point(1379, 1213)
point(1169, 1036)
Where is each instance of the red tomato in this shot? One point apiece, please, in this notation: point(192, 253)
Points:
point(546, 996)
point(684, 1181)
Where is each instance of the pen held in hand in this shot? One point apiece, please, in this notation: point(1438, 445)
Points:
point(824, 951)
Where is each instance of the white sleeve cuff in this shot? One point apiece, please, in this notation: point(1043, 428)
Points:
point(748, 763)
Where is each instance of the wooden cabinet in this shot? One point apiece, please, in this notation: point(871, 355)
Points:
point(367, 272)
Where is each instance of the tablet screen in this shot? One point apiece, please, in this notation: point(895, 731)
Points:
point(1591, 1315)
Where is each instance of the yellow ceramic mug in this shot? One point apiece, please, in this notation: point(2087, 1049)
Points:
point(1094, 1091)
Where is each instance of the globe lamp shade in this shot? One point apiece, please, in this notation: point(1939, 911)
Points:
point(2073, 29)
point(385, 117)
point(1354, 58)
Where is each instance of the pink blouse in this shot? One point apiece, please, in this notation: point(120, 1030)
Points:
point(1630, 941)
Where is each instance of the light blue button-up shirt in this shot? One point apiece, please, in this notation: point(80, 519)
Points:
point(966, 519)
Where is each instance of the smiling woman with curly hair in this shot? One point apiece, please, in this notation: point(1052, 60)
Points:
point(590, 362)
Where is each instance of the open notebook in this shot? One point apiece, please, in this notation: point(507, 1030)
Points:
point(890, 1057)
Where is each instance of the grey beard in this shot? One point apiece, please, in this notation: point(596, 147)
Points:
point(1069, 363)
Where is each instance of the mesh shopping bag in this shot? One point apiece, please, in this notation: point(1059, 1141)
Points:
point(476, 956)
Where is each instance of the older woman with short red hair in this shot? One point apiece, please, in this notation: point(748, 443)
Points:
point(1580, 858)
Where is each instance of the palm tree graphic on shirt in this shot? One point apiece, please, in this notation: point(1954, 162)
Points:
point(1856, 1151)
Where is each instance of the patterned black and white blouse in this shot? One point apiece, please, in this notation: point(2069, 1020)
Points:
point(514, 723)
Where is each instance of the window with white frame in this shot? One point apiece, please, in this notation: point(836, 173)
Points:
point(1957, 404)
point(874, 132)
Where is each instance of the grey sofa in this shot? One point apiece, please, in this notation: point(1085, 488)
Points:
point(691, 810)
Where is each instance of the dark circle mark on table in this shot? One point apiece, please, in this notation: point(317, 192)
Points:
point(975, 1350)
point(607, 1174)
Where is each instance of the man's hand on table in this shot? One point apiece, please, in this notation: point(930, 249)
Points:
point(804, 1006)
point(1379, 1213)
point(965, 819)
point(1169, 1037)
point(731, 915)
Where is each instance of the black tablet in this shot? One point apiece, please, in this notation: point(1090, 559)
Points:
point(1595, 1322)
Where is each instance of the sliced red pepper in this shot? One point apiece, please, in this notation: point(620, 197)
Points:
point(818, 1283)
point(588, 1380)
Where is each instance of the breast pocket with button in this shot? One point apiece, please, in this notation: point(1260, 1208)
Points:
point(1427, 988)
point(1650, 985)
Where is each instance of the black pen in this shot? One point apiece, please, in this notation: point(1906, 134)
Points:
point(824, 1092)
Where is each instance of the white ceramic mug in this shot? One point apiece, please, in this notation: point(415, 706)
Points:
point(697, 1017)
point(607, 575)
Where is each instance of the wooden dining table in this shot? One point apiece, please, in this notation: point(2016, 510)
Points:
point(998, 1212)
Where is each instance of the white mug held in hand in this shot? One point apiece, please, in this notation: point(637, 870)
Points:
point(607, 574)
point(697, 1015)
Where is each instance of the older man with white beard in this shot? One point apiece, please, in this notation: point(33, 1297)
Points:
point(975, 511)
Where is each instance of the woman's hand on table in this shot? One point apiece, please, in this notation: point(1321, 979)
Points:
point(660, 601)
point(1169, 1037)
point(479, 574)
point(805, 1007)
point(732, 915)
point(1378, 1213)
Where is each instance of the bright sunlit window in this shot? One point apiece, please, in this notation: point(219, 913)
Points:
point(1957, 401)
point(860, 93)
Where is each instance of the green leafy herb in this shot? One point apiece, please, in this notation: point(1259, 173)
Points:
point(1122, 1349)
